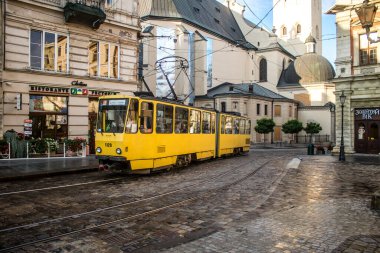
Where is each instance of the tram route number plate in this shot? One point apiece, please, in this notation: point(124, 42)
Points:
point(108, 145)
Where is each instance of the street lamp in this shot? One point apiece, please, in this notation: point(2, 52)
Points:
point(366, 14)
point(342, 157)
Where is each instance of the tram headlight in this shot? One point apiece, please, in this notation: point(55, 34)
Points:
point(118, 151)
point(98, 150)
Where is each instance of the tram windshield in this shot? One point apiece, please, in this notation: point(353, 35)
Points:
point(111, 116)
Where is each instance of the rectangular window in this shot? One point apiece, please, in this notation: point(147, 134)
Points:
point(111, 115)
point(265, 109)
point(133, 116)
point(103, 60)
point(146, 117)
point(195, 122)
point(181, 120)
point(368, 51)
point(277, 110)
point(290, 111)
point(48, 51)
point(206, 123)
point(258, 109)
point(164, 118)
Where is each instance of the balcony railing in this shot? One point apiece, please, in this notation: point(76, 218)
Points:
point(88, 12)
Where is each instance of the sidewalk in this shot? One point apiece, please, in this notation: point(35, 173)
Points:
point(20, 168)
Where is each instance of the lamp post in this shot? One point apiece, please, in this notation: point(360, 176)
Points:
point(366, 14)
point(342, 157)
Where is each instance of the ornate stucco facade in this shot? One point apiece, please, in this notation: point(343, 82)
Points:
point(358, 72)
point(58, 63)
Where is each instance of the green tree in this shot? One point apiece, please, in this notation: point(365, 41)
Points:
point(312, 128)
point(264, 126)
point(292, 127)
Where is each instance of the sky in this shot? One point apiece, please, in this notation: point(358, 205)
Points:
point(262, 7)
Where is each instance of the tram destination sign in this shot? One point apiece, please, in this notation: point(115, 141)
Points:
point(367, 113)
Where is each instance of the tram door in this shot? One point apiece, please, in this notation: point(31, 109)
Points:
point(367, 135)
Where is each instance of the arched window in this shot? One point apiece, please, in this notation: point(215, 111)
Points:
point(298, 28)
point(284, 31)
point(263, 70)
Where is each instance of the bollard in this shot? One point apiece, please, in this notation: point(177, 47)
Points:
point(310, 149)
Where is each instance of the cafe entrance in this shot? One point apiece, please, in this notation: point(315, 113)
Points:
point(367, 130)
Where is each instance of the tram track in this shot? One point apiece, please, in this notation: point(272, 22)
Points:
point(194, 196)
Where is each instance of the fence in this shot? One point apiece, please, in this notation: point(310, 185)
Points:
point(303, 139)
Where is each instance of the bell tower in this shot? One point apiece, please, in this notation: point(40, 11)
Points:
point(295, 20)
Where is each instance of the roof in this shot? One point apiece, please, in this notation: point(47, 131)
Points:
point(306, 69)
point(209, 15)
point(245, 89)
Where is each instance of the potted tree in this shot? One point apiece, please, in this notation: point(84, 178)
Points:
point(312, 128)
point(264, 126)
point(292, 127)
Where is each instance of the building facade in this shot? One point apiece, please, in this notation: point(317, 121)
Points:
point(295, 20)
point(59, 57)
point(358, 70)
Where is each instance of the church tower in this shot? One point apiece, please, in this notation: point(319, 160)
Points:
point(295, 20)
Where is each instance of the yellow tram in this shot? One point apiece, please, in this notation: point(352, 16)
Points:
point(141, 134)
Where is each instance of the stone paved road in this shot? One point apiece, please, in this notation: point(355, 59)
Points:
point(268, 201)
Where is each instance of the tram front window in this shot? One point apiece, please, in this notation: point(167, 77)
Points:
point(111, 116)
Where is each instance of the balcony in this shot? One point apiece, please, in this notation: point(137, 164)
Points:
point(87, 12)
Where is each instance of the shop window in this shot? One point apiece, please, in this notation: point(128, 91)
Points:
point(277, 110)
point(146, 119)
point(132, 119)
point(103, 60)
point(43, 53)
point(49, 116)
point(368, 51)
point(195, 122)
point(181, 120)
point(164, 118)
point(206, 123)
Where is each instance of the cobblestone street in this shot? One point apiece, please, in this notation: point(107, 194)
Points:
point(267, 201)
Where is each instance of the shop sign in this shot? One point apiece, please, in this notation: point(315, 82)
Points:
point(367, 114)
point(28, 127)
point(48, 89)
point(78, 83)
point(79, 91)
point(99, 93)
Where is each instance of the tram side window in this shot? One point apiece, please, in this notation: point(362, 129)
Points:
point(195, 122)
point(228, 125)
point(241, 127)
point(223, 123)
point(213, 120)
point(132, 119)
point(248, 127)
point(146, 117)
point(236, 126)
point(206, 123)
point(164, 119)
point(181, 120)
